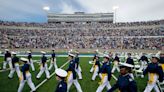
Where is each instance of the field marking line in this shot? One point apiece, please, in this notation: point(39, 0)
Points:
point(54, 74)
point(114, 77)
point(50, 76)
point(4, 70)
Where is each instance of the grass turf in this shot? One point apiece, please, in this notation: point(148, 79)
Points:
point(11, 85)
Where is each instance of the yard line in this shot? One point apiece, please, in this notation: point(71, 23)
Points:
point(114, 77)
point(4, 70)
point(50, 76)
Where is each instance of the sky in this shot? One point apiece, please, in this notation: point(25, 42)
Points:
point(128, 11)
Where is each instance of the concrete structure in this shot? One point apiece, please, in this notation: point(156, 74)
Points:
point(81, 17)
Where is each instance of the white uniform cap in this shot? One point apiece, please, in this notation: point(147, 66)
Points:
point(24, 59)
point(70, 50)
point(53, 49)
point(97, 50)
point(28, 51)
point(70, 54)
point(61, 72)
point(13, 53)
point(126, 64)
point(155, 56)
point(43, 52)
point(107, 56)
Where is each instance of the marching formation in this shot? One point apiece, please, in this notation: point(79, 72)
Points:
point(128, 65)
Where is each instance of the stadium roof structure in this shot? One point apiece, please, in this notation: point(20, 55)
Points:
point(80, 17)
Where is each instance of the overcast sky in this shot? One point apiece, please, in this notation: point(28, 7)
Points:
point(129, 10)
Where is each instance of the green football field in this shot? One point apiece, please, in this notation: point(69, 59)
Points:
point(11, 85)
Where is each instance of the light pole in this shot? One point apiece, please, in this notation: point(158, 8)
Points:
point(46, 9)
point(115, 14)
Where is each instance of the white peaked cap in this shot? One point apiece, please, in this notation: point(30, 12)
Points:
point(61, 72)
point(13, 53)
point(105, 55)
point(155, 56)
point(24, 59)
point(96, 50)
point(43, 52)
point(70, 54)
point(28, 51)
point(126, 64)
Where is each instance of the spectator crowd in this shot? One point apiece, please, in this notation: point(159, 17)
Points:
point(133, 35)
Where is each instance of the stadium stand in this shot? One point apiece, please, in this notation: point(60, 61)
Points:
point(131, 35)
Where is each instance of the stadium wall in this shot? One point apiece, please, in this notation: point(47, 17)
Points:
point(88, 50)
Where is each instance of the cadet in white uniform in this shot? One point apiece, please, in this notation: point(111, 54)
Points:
point(124, 83)
point(43, 66)
point(7, 59)
point(30, 60)
point(155, 73)
point(116, 62)
point(96, 66)
point(105, 75)
point(53, 61)
point(71, 78)
point(144, 61)
point(77, 65)
point(131, 62)
point(15, 66)
point(94, 60)
point(26, 76)
point(60, 76)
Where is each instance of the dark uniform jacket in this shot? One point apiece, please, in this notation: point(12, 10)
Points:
point(130, 61)
point(72, 68)
point(43, 60)
point(116, 59)
point(77, 62)
point(7, 54)
point(98, 64)
point(154, 68)
point(15, 59)
point(125, 84)
point(24, 69)
point(61, 87)
point(29, 57)
point(144, 58)
point(161, 60)
point(106, 69)
point(53, 56)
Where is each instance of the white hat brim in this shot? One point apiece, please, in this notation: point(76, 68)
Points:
point(43, 52)
point(13, 53)
point(106, 56)
point(70, 54)
point(24, 59)
point(28, 51)
point(126, 64)
point(61, 73)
